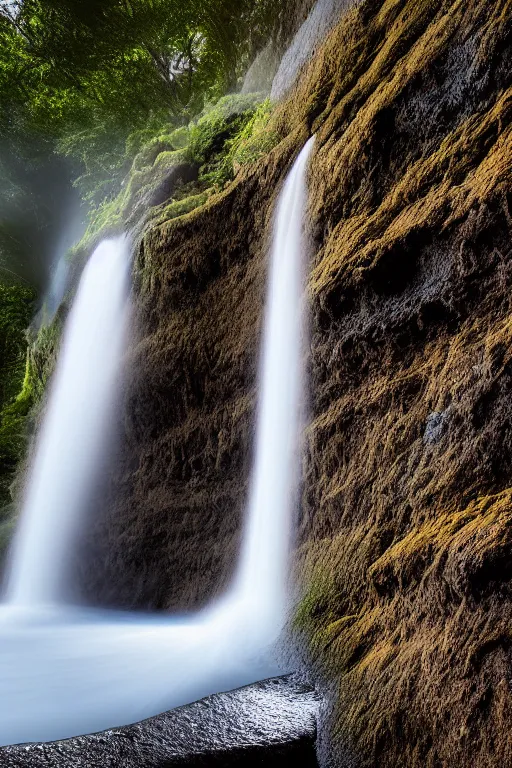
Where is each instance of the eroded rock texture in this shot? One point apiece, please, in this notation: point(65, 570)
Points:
point(405, 553)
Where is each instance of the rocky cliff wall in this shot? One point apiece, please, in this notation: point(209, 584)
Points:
point(403, 562)
point(188, 430)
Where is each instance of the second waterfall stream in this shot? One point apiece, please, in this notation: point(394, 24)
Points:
point(68, 670)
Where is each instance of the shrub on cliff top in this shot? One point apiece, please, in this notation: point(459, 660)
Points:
point(230, 133)
point(220, 122)
point(212, 136)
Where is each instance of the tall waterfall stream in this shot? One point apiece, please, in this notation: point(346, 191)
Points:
point(67, 670)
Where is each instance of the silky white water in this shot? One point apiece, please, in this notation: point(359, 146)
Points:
point(264, 558)
point(66, 670)
point(75, 429)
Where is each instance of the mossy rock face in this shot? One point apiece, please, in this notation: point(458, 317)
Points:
point(177, 176)
point(404, 543)
point(192, 162)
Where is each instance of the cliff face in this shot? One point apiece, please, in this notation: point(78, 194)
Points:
point(189, 415)
point(407, 509)
point(404, 559)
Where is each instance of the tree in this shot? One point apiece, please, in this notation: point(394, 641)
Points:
point(78, 78)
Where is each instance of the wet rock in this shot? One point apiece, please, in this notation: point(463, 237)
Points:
point(271, 723)
point(179, 174)
point(436, 426)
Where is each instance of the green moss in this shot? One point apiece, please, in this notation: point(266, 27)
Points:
point(212, 137)
point(13, 417)
point(16, 303)
point(19, 413)
point(167, 159)
point(319, 605)
point(255, 139)
point(43, 354)
point(228, 135)
point(180, 138)
point(317, 617)
point(108, 217)
point(182, 206)
point(218, 124)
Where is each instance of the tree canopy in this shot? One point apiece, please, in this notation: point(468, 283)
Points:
point(89, 80)
point(66, 65)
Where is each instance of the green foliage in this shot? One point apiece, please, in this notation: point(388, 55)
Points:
point(13, 417)
point(16, 304)
point(15, 310)
point(28, 382)
point(226, 136)
point(98, 78)
point(217, 132)
point(255, 139)
point(218, 123)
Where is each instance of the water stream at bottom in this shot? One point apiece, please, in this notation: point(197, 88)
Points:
point(66, 670)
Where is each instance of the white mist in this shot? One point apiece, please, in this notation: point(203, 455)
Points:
point(66, 671)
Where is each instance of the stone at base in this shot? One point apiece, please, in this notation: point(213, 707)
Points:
point(271, 723)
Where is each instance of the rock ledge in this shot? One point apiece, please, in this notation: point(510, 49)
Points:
point(271, 723)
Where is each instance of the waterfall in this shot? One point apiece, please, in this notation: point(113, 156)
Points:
point(66, 670)
point(74, 433)
point(321, 20)
point(264, 558)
